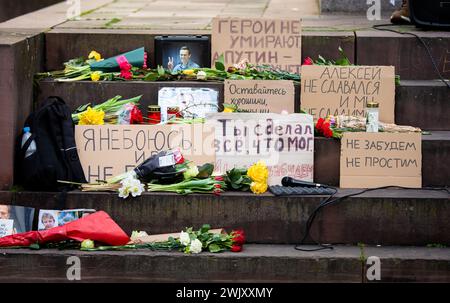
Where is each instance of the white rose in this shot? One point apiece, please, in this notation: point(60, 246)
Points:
point(196, 246)
point(201, 75)
point(184, 238)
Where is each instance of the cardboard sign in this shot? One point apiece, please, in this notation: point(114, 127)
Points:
point(274, 42)
point(109, 150)
point(261, 96)
point(345, 90)
point(371, 160)
point(284, 142)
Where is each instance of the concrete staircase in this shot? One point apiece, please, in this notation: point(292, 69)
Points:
point(411, 226)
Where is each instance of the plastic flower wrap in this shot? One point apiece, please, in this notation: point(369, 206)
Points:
point(92, 117)
point(191, 172)
point(201, 75)
point(136, 235)
point(129, 114)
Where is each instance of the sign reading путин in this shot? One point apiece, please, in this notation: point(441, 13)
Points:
point(345, 90)
point(274, 42)
point(371, 160)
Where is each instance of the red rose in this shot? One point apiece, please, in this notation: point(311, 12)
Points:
point(217, 185)
point(238, 237)
point(236, 248)
point(308, 61)
point(319, 124)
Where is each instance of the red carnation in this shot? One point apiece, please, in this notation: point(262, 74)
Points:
point(308, 61)
point(236, 248)
point(136, 116)
point(326, 130)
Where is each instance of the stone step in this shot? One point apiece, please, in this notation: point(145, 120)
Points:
point(357, 6)
point(11, 9)
point(383, 217)
point(321, 36)
point(256, 263)
point(423, 104)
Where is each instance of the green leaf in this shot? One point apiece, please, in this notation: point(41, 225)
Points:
point(82, 108)
point(35, 246)
point(214, 248)
point(220, 63)
point(205, 228)
point(151, 77)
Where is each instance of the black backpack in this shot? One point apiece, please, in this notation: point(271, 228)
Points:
point(56, 156)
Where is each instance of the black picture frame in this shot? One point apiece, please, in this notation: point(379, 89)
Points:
point(169, 46)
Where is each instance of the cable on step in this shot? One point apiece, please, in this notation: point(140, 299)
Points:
point(329, 200)
point(381, 27)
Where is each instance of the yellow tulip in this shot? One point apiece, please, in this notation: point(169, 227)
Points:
point(95, 55)
point(188, 72)
point(228, 110)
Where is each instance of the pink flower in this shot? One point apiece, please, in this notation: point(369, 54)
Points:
point(126, 74)
point(144, 66)
point(124, 65)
